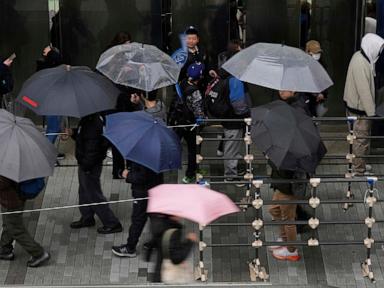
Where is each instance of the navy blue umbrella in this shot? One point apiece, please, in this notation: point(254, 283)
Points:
point(145, 140)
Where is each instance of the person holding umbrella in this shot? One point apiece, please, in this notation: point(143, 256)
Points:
point(91, 149)
point(6, 80)
point(168, 203)
point(142, 179)
point(51, 58)
point(179, 248)
point(21, 140)
point(14, 228)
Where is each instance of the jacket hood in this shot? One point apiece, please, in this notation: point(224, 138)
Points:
point(372, 45)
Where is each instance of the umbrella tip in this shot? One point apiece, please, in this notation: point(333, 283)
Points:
point(68, 67)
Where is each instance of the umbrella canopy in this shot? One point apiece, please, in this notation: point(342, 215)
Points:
point(140, 66)
point(25, 153)
point(145, 140)
point(68, 91)
point(194, 202)
point(279, 67)
point(287, 137)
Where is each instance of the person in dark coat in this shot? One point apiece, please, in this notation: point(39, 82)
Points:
point(51, 59)
point(194, 109)
point(301, 103)
point(14, 229)
point(142, 179)
point(6, 79)
point(91, 149)
point(179, 249)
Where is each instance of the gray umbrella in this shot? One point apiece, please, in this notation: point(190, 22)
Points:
point(140, 66)
point(68, 91)
point(287, 137)
point(279, 67)
point(25, 153)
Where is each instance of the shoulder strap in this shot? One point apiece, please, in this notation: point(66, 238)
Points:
point(165, 242)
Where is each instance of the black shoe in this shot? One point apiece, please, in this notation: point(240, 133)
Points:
point(229, 180)
point(124, 251)
point(82, 223)
point(6, 254)
point(60, 156)
point(110, 230)
point(148, 248)
point(38, 261)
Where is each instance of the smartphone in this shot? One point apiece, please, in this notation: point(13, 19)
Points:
point(12, 57)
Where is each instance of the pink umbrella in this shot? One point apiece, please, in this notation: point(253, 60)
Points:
point(193, 202)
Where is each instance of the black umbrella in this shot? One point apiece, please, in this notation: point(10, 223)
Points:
point(287, 137)
point(68, 91)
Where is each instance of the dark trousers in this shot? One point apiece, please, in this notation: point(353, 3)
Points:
point(118, 163)
point(139, 214)
point(189, 137)
point(90, 192)
point(14, 229)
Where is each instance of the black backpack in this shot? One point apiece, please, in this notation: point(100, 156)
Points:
point(179, 113)
point(216, 102)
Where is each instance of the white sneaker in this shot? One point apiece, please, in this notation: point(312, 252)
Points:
point(219, 153)
point(368, 168)
point(272, 248)
point(284, 254)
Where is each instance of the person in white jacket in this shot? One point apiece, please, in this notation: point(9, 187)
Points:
point(359, 94)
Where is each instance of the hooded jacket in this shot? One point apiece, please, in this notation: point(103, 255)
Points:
point(359, 92)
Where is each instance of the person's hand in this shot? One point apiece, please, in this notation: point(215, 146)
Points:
point(125, 173)
point(213, 74)
point(135, 99)
point(68, 131)
point(320, 97)
point(192, 237)
point(8, 62)
point(47, 50)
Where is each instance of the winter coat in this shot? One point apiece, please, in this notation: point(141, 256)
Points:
point(296, 189)
point(6, 79)
point(140, 175)
point(91, 146)
point(9, 197)
point(179, 249)
point(359, 92)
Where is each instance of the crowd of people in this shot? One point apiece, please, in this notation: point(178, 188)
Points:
point(205, 91)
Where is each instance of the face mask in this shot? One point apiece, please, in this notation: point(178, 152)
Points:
point(316, 56)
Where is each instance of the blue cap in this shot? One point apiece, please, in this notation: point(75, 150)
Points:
point(195, 71)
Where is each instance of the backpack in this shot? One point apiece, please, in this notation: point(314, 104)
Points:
point(179, 113)
point(30, 189)
point(216, 102)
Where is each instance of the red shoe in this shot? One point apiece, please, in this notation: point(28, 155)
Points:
point(284, 254)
